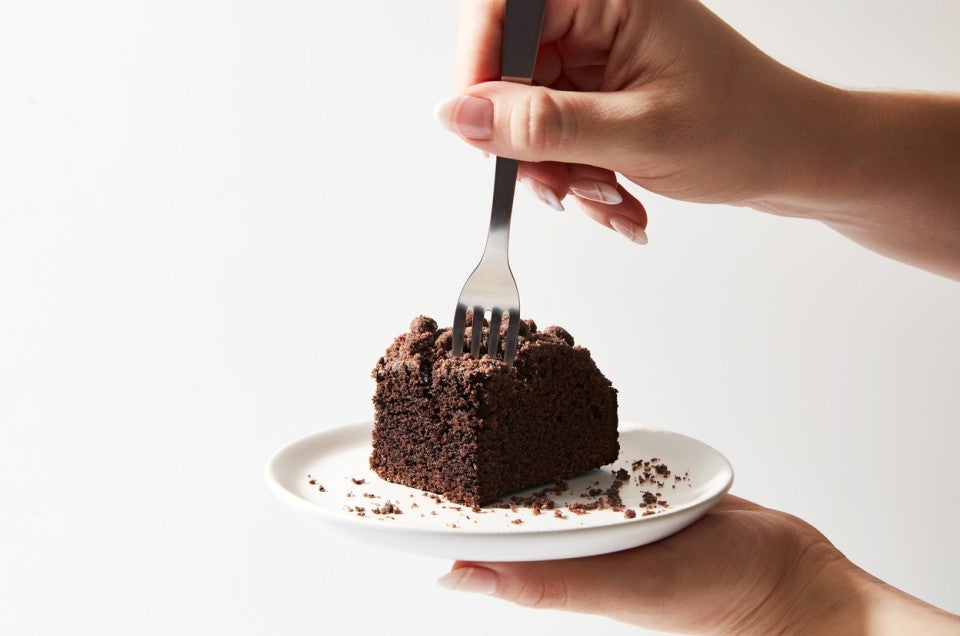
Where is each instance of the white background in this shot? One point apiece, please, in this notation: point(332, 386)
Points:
point(214, 216)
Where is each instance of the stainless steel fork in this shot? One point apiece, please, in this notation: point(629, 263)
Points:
point(491, 286)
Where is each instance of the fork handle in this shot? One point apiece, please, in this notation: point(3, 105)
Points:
point(522, 21)
point(504, 185)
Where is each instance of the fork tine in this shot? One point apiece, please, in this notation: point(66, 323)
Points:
point(477, 333)
point(495, 316)
point(513, 329)
point(459, 323)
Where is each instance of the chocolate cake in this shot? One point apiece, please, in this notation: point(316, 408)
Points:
point(473, 429)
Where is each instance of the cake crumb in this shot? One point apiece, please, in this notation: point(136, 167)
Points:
point(387, 509)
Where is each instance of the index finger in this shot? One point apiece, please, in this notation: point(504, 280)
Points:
point(478, 43)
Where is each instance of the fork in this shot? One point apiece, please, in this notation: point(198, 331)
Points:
point(491, 286)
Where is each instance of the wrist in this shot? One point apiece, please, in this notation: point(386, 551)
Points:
point(831, 595)
point(821, 593)
point(833, 600)
point(882, 168)
point(809, 156)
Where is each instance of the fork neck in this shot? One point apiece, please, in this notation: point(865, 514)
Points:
point(504, 184)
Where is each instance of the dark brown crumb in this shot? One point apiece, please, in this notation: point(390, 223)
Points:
point(629, 513)
point(558, 514)
point(387, 509)
point(517, 522)
point(358, 482)
point(579, 507)
point(313, 482)
point(613, 494)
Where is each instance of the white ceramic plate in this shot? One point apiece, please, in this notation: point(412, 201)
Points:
point(334, 458)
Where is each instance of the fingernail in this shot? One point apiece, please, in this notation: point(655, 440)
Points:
point(470, 117)
point(543, 192)
point(474, 580)
point(596, 191)
point(629, 229)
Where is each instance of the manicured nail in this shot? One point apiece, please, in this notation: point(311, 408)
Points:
point(470, 117)
point(629, 229)
point(474, 580)
point(543, 192)
point(596, 191)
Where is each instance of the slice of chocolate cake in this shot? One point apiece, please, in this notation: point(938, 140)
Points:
point(474, 429)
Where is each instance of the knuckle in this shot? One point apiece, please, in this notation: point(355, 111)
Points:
point(538, 123)
point(541, 594)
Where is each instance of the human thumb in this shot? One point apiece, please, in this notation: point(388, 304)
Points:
point(613, 585)
point(534, 123)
